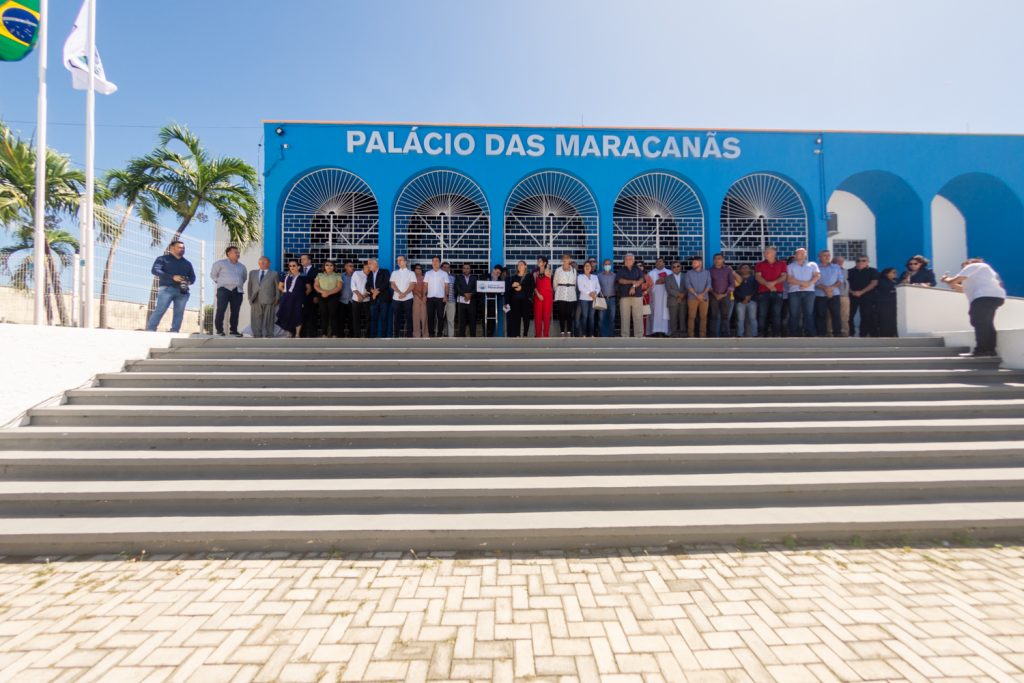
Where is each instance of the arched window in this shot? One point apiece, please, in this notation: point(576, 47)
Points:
point(548, 214)
point(445, 214)
point(657, 215)
point(759, 210)
point(330, 213)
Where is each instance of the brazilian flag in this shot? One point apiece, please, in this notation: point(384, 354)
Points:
point(19, 28)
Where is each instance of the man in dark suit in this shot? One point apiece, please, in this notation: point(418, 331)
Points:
point(310, 307)
point(378, 283)
point(465, 302)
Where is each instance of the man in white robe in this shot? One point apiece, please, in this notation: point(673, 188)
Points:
point(658, 321)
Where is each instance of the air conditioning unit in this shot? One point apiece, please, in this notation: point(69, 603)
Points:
point(832, 221)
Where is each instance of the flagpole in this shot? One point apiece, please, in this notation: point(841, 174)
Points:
point(39, 227)
point(88, 230)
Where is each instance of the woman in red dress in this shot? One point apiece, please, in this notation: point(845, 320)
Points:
point(543, 296)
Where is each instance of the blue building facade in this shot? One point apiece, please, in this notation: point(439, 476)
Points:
point(494, 194)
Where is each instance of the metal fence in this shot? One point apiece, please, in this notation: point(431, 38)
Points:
point(125, 294)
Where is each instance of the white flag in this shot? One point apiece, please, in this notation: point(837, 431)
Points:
point(76, 51)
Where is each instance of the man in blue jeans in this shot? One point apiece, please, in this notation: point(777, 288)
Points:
point(771, 280)
point(826, 296)
point(175, 274)
point(801, 277)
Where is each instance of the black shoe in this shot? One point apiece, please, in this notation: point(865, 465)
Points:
point(236, 334)
point(220, 334)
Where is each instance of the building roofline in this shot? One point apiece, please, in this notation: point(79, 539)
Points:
point(428, 124)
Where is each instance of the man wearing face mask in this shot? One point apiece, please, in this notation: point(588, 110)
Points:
point(606, 318)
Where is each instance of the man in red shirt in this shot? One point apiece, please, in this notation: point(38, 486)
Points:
point(771, 277)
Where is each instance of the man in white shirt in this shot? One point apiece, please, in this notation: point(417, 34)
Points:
point(360, 302)
point(401, 281)
point(985, 294)
point(437, 296)
point(801, 277)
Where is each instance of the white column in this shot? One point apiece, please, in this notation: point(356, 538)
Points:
point(201, 275)
point(88, 229)
point(76, 291)
point(39, 228)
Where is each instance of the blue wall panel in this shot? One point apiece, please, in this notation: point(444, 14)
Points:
point(897, 175)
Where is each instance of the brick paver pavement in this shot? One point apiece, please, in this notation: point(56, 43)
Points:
point(707, 614)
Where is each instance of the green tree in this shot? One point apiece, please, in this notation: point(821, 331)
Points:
point(127, 192)
point(18, 260)
point(17, 212)
point(190, 182)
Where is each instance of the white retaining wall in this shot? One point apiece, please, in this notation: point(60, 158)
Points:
point(928, 311)
point(43, 362)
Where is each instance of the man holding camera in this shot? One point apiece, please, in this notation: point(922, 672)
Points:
point(175, 274)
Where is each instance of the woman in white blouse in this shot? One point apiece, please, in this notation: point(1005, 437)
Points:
point(564, 281)
point(590, 288)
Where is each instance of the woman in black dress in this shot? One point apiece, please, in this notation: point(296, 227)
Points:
point(885, 303)
point(520, 301)
point(294, 289)
point(918, 272)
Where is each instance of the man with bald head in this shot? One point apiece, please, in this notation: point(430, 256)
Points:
point(262, 293)
point(630, 293)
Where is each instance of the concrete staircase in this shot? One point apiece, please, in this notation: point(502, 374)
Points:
point(503, 444)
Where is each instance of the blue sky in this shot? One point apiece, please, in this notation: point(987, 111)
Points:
point(221, 66)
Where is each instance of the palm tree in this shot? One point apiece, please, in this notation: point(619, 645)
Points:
point(59, 244)
point(17, 209)
point(189, 182)
point(131, 186)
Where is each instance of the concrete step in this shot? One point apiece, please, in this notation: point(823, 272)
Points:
point(442, 351)
point(502, 459)
point(452, 433)
point(482, 443)
point(488, 365)
point(588, 378)
point(418, 345)
point(600, 408)
point(512, 493)
point(516, 395)
point(504, 531)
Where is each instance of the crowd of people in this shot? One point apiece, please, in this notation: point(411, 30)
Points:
point(796, 297)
